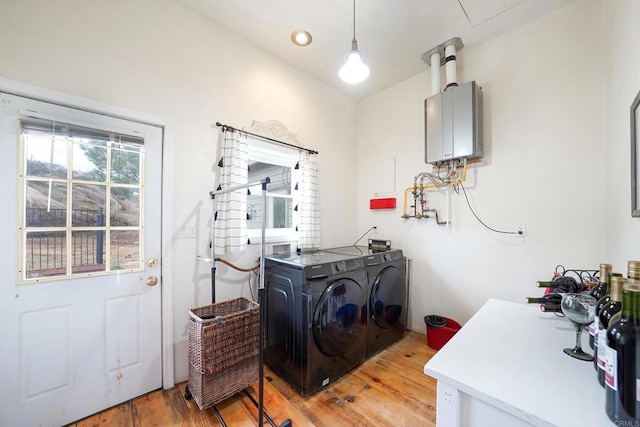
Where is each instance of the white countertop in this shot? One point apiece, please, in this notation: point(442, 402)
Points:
point(510, 356)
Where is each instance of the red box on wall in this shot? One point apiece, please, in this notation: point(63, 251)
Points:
point(386, 203)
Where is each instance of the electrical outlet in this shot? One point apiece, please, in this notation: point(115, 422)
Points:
point(522, 230)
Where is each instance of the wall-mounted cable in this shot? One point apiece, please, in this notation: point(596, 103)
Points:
point(445, 175)
point(478, 218)
point(365, 233)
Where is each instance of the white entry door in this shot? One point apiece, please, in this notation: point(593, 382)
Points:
point(80, 309)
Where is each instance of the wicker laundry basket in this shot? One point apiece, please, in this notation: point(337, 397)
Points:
point(224, 344)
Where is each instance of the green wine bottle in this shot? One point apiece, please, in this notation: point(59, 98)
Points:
point(621, 375)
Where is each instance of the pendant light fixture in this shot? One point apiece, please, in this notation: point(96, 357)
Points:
point(354, 70)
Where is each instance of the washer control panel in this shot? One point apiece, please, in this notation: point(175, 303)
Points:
point(320, 271)
point(383, 257)
point(347, 265)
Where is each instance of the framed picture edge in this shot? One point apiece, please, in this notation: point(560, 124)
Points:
point(635, 142)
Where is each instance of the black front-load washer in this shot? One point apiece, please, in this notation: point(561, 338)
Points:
point(316, 317)
point(386, 295)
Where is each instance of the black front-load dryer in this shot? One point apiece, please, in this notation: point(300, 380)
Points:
point(386, 295)
point(316, 317)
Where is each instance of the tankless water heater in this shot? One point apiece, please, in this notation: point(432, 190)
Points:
point(453, 124)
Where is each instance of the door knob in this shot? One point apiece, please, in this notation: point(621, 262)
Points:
point(152, 281)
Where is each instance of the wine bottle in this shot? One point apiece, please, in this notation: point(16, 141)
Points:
point(553, 298)
point(621, 375)
point(603, 277)
point(551, 308)
point(612, 306)
point(596, 326)
point(598, 291)
point(633, 270)
point(563, 284)
point(601, 302)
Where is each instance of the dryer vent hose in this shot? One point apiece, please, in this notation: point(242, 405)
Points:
point(235, 267)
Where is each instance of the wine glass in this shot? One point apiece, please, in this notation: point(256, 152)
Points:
point(580, 309)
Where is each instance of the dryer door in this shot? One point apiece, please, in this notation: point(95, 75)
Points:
point(388, 297)
point(338, 317)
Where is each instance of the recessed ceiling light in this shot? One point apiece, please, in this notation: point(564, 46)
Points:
point(301, 38)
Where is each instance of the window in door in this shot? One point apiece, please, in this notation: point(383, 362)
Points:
point(81, 192)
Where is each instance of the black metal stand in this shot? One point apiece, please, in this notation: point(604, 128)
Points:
point(260, 403)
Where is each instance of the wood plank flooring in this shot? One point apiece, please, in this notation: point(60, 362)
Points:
point(389, 389)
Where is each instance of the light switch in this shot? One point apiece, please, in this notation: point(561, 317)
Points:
point(188, 231)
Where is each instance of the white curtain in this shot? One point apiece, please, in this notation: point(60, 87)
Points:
point(306, 202)
point(230, 232)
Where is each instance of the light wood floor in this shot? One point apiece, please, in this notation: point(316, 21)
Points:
point(389, 389)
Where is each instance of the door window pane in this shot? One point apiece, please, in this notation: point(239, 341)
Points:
point(88, 251)
point(66, 215)
point(42, 211)
point(125, 164)
point(90, 161)
point(46, 156)
point(88, 204)
point(125, 206)
point(45, 254)
point(125, 250)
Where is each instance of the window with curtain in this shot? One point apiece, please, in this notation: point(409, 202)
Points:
point(291, 210)
point(278, 164)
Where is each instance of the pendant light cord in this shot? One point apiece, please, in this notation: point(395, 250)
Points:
point(354, 20)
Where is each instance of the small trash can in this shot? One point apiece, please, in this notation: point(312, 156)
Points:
point(440, 330)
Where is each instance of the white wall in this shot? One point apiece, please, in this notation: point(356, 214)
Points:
point(623, 83)
point(157, 57)
point(543, 87)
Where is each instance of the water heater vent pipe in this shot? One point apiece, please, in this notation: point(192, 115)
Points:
point(444, 53)
point(435, 73)
point(450, 65)
point(435, 58)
